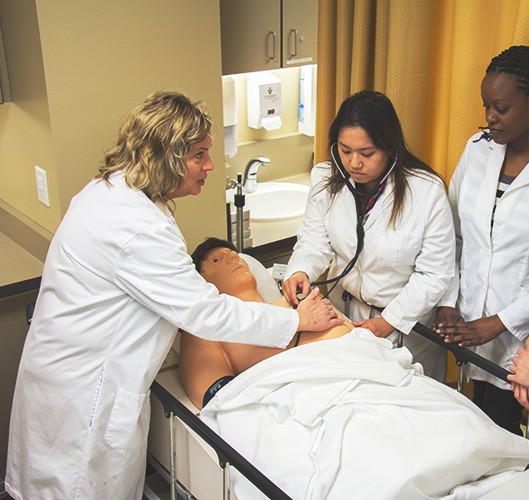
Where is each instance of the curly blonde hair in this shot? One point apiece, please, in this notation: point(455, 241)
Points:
point(154, 141)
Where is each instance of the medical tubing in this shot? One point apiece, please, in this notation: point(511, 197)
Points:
point(224, 451)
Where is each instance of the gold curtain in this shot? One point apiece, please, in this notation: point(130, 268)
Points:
point(428, 56)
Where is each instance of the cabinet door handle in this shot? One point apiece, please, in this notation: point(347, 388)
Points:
point(295, 54)
point(274, 36)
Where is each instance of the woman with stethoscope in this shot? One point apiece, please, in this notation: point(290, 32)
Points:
point(380, 217)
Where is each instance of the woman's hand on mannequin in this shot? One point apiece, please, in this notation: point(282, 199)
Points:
point(316, 315)
point(471, 333)
point(293, 285)
point(379, 326)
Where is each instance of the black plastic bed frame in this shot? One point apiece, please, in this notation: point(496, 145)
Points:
point(228, 455)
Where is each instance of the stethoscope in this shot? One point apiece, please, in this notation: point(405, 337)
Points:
point(361, 213)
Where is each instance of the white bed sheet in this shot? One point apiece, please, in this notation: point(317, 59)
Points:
point(353, 418)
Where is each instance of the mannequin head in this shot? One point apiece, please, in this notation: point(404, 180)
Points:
point(218, 263)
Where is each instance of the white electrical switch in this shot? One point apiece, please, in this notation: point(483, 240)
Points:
point(42, 186)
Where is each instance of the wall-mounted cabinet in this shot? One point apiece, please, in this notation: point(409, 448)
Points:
point(267, 34)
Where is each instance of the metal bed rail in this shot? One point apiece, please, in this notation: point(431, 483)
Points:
point(462, 354)
point(226, 454)
point(229, 456)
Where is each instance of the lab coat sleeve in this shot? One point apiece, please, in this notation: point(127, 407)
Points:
point(434, 265)
point(515, 317)
point(313, 251)
point(449, 298)
point(155, 270)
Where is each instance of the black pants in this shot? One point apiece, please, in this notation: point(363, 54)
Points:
point(499, 404)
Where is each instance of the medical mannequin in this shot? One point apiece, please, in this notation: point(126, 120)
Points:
point(204, 362)
point(487, 308)
point(117, 283)
point(407, 259)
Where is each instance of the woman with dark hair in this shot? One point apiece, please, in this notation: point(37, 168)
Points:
point(117, 283)
point(487, 308)
point(380, 217)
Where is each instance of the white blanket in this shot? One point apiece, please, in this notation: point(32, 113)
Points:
point(353, 418)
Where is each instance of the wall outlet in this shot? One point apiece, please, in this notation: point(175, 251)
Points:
point(42, 186)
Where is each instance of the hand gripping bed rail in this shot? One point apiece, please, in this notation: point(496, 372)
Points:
point(462, 354)
point(225, 453)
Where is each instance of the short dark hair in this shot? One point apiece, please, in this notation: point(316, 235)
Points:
point(513, 61)
point(200, 252)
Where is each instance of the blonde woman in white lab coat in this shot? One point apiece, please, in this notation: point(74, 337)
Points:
point(487, 309)
point(116, 283)
point(407, 260)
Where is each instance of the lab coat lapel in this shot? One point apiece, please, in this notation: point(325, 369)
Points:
point(521, 180)
point(350, 202)
point(381, 205)
point(492, 171)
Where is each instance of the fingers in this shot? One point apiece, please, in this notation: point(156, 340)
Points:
point(317, 315)
point(520, 393)
point(359, 324)
point(297, 282)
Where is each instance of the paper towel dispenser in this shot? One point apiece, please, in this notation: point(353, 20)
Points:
point(263, 90)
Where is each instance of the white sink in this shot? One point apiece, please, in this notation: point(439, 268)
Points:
point(274, 201)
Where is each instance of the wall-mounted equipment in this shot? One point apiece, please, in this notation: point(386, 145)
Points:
point(5, 88)
point(307, 100)
point(263, 90)
point(229, 103)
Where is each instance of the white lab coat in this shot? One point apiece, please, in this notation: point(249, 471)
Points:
point(493, 270)
point(404, 270)
point(116, 282)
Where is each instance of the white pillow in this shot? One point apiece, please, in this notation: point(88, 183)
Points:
point(266, 284)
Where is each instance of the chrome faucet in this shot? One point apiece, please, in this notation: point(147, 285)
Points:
point(250, 172)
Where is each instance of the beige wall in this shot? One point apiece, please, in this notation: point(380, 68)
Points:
point(25, 132)
point(77, 68)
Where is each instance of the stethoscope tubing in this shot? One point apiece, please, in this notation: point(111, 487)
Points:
point(360, 233)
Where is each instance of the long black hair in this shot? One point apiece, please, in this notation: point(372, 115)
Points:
point(374, 112)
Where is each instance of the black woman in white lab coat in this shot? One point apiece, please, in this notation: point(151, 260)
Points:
point(116, 283)
point(487, 304)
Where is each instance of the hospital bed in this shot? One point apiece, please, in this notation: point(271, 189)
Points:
point(197, 462)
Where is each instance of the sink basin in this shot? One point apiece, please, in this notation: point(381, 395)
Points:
point(274, 201)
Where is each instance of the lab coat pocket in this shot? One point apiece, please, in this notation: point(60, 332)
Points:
point(129, 421)
point(397, 249)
